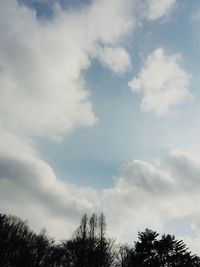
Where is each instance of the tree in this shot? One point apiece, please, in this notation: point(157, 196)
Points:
point(153, 252)
point(89, 246)
point(19, 246)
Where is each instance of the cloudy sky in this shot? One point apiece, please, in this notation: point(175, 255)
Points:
point(99, 111)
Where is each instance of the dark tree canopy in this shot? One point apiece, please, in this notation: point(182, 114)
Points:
point(19, 246)
point(153, 252)
point(88, 247)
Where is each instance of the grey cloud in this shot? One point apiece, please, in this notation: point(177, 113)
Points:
point(145, 195)
point(43, 94)
point(150, 194)
point(146, 176)
point(186, 169)
point(32, 182)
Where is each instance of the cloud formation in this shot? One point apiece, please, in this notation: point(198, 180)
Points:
point(43, 92)
point(162, 81)
point(156, 9)
point(145, 194)
point(115, 59)
point(152, 194)
point(30, 189)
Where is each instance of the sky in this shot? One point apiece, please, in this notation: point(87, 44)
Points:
point(99, 112)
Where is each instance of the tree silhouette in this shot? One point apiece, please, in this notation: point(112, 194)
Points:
point(88, 247)
point(19, 246)
point(153, 252)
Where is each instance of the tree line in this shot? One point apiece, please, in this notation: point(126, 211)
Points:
point(89, 246)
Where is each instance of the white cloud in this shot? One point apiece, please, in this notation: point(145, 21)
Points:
point(156, 9)
point(42, 91)
point(151, 194)
point(145, 194)
point(114, 58)
point(30, 189)
point(163, 82)
point(42, 88)
point(43, 94)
